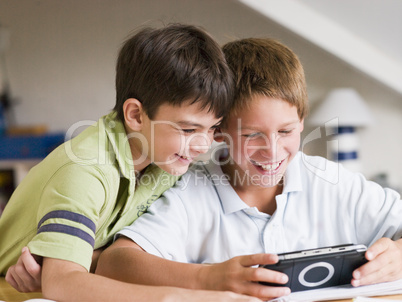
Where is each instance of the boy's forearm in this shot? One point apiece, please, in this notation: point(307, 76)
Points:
point(63, 282)
point(125, 261)
point(133, 265)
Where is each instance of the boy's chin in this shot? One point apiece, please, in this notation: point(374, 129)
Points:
point(267, 181)
point(269, 185)
point(174, 170)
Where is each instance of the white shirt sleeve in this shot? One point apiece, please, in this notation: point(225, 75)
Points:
point(329, 205)
point(163, 229)
point(378, 211)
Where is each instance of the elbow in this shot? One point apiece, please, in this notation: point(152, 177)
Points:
point(102, 267)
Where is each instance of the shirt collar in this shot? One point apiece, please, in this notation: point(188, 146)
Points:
point(118, 140)
point(230, 201)
point(292, 178)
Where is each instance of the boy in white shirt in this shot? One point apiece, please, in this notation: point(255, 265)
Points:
point(259, 197)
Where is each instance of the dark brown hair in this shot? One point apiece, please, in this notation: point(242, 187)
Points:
point(266, 67)
point(175, 64)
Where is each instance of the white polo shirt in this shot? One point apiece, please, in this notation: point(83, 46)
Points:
point(203, 220)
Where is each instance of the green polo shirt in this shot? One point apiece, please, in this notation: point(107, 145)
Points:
point(78, 197)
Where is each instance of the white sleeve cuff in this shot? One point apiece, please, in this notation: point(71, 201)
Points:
point(141, 241)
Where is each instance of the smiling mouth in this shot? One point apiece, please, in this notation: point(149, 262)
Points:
point(184, 157)
point(270, 167)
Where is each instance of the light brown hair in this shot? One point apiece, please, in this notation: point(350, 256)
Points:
point(266, 67)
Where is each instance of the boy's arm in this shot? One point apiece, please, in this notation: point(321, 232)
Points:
point(66, 281)
point(385, 263)
point(25, 275)
point(126, 261)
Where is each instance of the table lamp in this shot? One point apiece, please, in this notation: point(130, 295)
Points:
point(341, 113)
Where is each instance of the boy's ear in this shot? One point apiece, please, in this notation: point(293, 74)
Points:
point(301, 125)
point(133, 114)
point(218, 136)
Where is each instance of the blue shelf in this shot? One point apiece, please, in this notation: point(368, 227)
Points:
point(29, 146)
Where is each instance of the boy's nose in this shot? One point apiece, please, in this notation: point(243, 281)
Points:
point(200, 149)
point(269, 150)
point(200, 143)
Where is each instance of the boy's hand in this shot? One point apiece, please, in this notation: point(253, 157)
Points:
point(239, 275)
point(385, 263)
point(25, 276)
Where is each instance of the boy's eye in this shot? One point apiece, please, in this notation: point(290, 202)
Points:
point(285, 131)
point(188, 131)
point(252, 135)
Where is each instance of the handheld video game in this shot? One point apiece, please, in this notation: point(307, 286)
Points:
point(317, 268)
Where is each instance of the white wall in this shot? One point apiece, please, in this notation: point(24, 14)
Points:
point(62, 55)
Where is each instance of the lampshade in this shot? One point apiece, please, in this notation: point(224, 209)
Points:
point(346, 105)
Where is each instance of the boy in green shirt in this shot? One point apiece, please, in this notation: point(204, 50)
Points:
point(172, 88)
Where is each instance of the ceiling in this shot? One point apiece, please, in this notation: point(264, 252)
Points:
point(377, 21)
point(367, 35)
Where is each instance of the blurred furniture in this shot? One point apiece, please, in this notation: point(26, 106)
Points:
point(9, 294)
point(19, 152)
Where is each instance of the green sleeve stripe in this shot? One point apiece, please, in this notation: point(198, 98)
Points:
point(69, 216)
point(66, 229)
